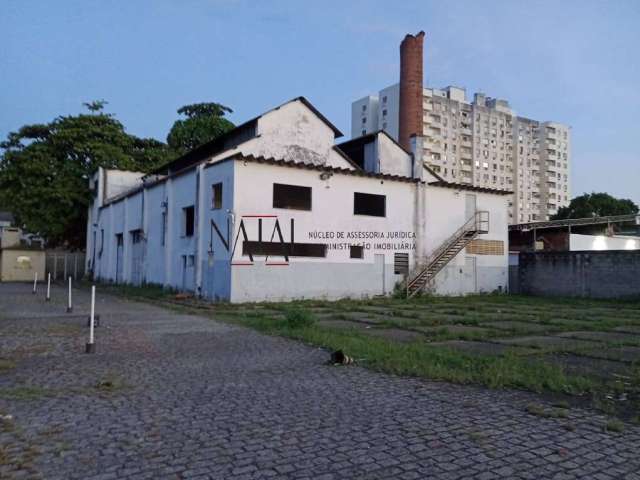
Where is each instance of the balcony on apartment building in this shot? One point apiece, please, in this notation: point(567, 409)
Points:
point(466, 165)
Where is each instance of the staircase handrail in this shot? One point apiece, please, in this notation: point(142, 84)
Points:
point(476, 221)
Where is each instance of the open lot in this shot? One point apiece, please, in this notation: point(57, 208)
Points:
point(173, 393)
point(589, 350)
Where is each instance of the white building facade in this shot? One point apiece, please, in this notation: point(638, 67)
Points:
point(275, 210)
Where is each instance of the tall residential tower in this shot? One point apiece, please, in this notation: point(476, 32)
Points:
point(480, 142)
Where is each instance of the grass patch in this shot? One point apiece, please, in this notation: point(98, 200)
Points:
point(148, 291)
point(29, 392)
point(614, 425)
point(423, 360)
point(298, 318)
point(6, 365)
point(540, 411)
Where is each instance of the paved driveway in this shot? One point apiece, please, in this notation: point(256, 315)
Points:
point(171, 396)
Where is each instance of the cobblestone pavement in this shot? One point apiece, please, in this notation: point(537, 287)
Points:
point(172, 396)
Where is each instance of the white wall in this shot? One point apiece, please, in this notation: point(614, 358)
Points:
point(366, 119)
point(119, 181)
point(292, 132)
point(466, 273)
point(390, 122)
point(337, 275)
point(392, 159)
point(600, 242)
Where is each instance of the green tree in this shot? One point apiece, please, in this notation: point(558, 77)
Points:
point(204, 122)
point(596, 205)
point(45, 169)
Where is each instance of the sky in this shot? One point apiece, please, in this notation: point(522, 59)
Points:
point(571, 61)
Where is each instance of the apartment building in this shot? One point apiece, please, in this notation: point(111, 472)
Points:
point(479, 142)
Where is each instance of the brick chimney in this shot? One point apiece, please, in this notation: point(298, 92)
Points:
point(411, 75)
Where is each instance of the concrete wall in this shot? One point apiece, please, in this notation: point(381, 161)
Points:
point(605, 274)
point(9, 237)
point(602, 242)
point(17, 265)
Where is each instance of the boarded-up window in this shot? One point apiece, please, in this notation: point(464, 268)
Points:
point(400, 263)
point(189, 218)
point(356, 251)
point(216, 194)
point(293, 197)
point(369, 204)
point(486, 247)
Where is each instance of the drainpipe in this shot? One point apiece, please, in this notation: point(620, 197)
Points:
point(168, 241)
point(200, 226)
point(145, 230)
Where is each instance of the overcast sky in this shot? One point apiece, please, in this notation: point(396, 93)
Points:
point(574, 62)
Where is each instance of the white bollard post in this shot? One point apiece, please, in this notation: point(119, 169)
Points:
point(69, 304)
point(35, 283)
point(91, 346)
point(48, 287)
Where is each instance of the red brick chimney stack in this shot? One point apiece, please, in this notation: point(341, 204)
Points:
point(411, 75)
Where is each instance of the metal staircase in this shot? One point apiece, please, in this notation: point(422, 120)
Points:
point(476, 225)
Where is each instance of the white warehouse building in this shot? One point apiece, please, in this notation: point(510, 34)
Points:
point(275, 210)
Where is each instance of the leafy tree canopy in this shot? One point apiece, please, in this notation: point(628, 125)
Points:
point(45, 169)
point(596, 205)
point(204, 122)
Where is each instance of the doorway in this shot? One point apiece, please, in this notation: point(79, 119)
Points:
point(469, 206)
point(380, 271)
point(119, 256)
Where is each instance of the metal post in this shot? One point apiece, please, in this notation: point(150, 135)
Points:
point(69, 305)
point(48, 287)
point(91, 346)
point(35, 282)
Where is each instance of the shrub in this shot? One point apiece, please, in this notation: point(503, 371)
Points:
point(298, 318)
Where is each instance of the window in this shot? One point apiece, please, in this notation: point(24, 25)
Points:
point(356, 251)
point(136, 236)
point(369, 204)
point(216, 196)
point(400, 263)
point(291, 196)
point(188, 215)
